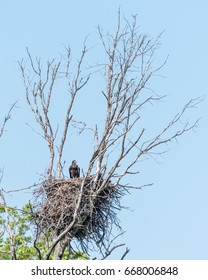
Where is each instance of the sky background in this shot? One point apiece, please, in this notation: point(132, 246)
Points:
point(169, 219)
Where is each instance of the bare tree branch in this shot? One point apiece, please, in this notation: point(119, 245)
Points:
point(107, 254)
point(125, 253)
point(39, 88)
point(6, 118)
point(73, 88)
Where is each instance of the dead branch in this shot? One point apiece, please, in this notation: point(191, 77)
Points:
point(39, 89)
point(128, 72)
point(6, 118)
point(73, 88)
point(107, 254)
point(125, 253)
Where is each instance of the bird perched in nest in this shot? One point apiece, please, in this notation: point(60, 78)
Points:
point(74, 170)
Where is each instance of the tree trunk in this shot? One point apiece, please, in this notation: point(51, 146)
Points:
point(60, 248)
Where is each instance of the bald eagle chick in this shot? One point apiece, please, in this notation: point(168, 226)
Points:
point(74, 170)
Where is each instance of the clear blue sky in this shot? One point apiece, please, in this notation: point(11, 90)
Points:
point(169, 219)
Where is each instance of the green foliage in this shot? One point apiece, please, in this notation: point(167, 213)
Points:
point(78, 256)
point(17, 229)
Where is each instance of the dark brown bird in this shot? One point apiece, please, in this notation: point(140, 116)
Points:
point(74, 170)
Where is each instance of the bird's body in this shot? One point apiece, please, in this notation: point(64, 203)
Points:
point(74, 170)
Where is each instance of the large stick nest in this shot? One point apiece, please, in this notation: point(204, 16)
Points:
point(57, 199)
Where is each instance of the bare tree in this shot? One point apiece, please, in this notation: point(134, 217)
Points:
point(85, 208)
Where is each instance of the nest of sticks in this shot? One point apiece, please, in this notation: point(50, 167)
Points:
point(94, 204)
